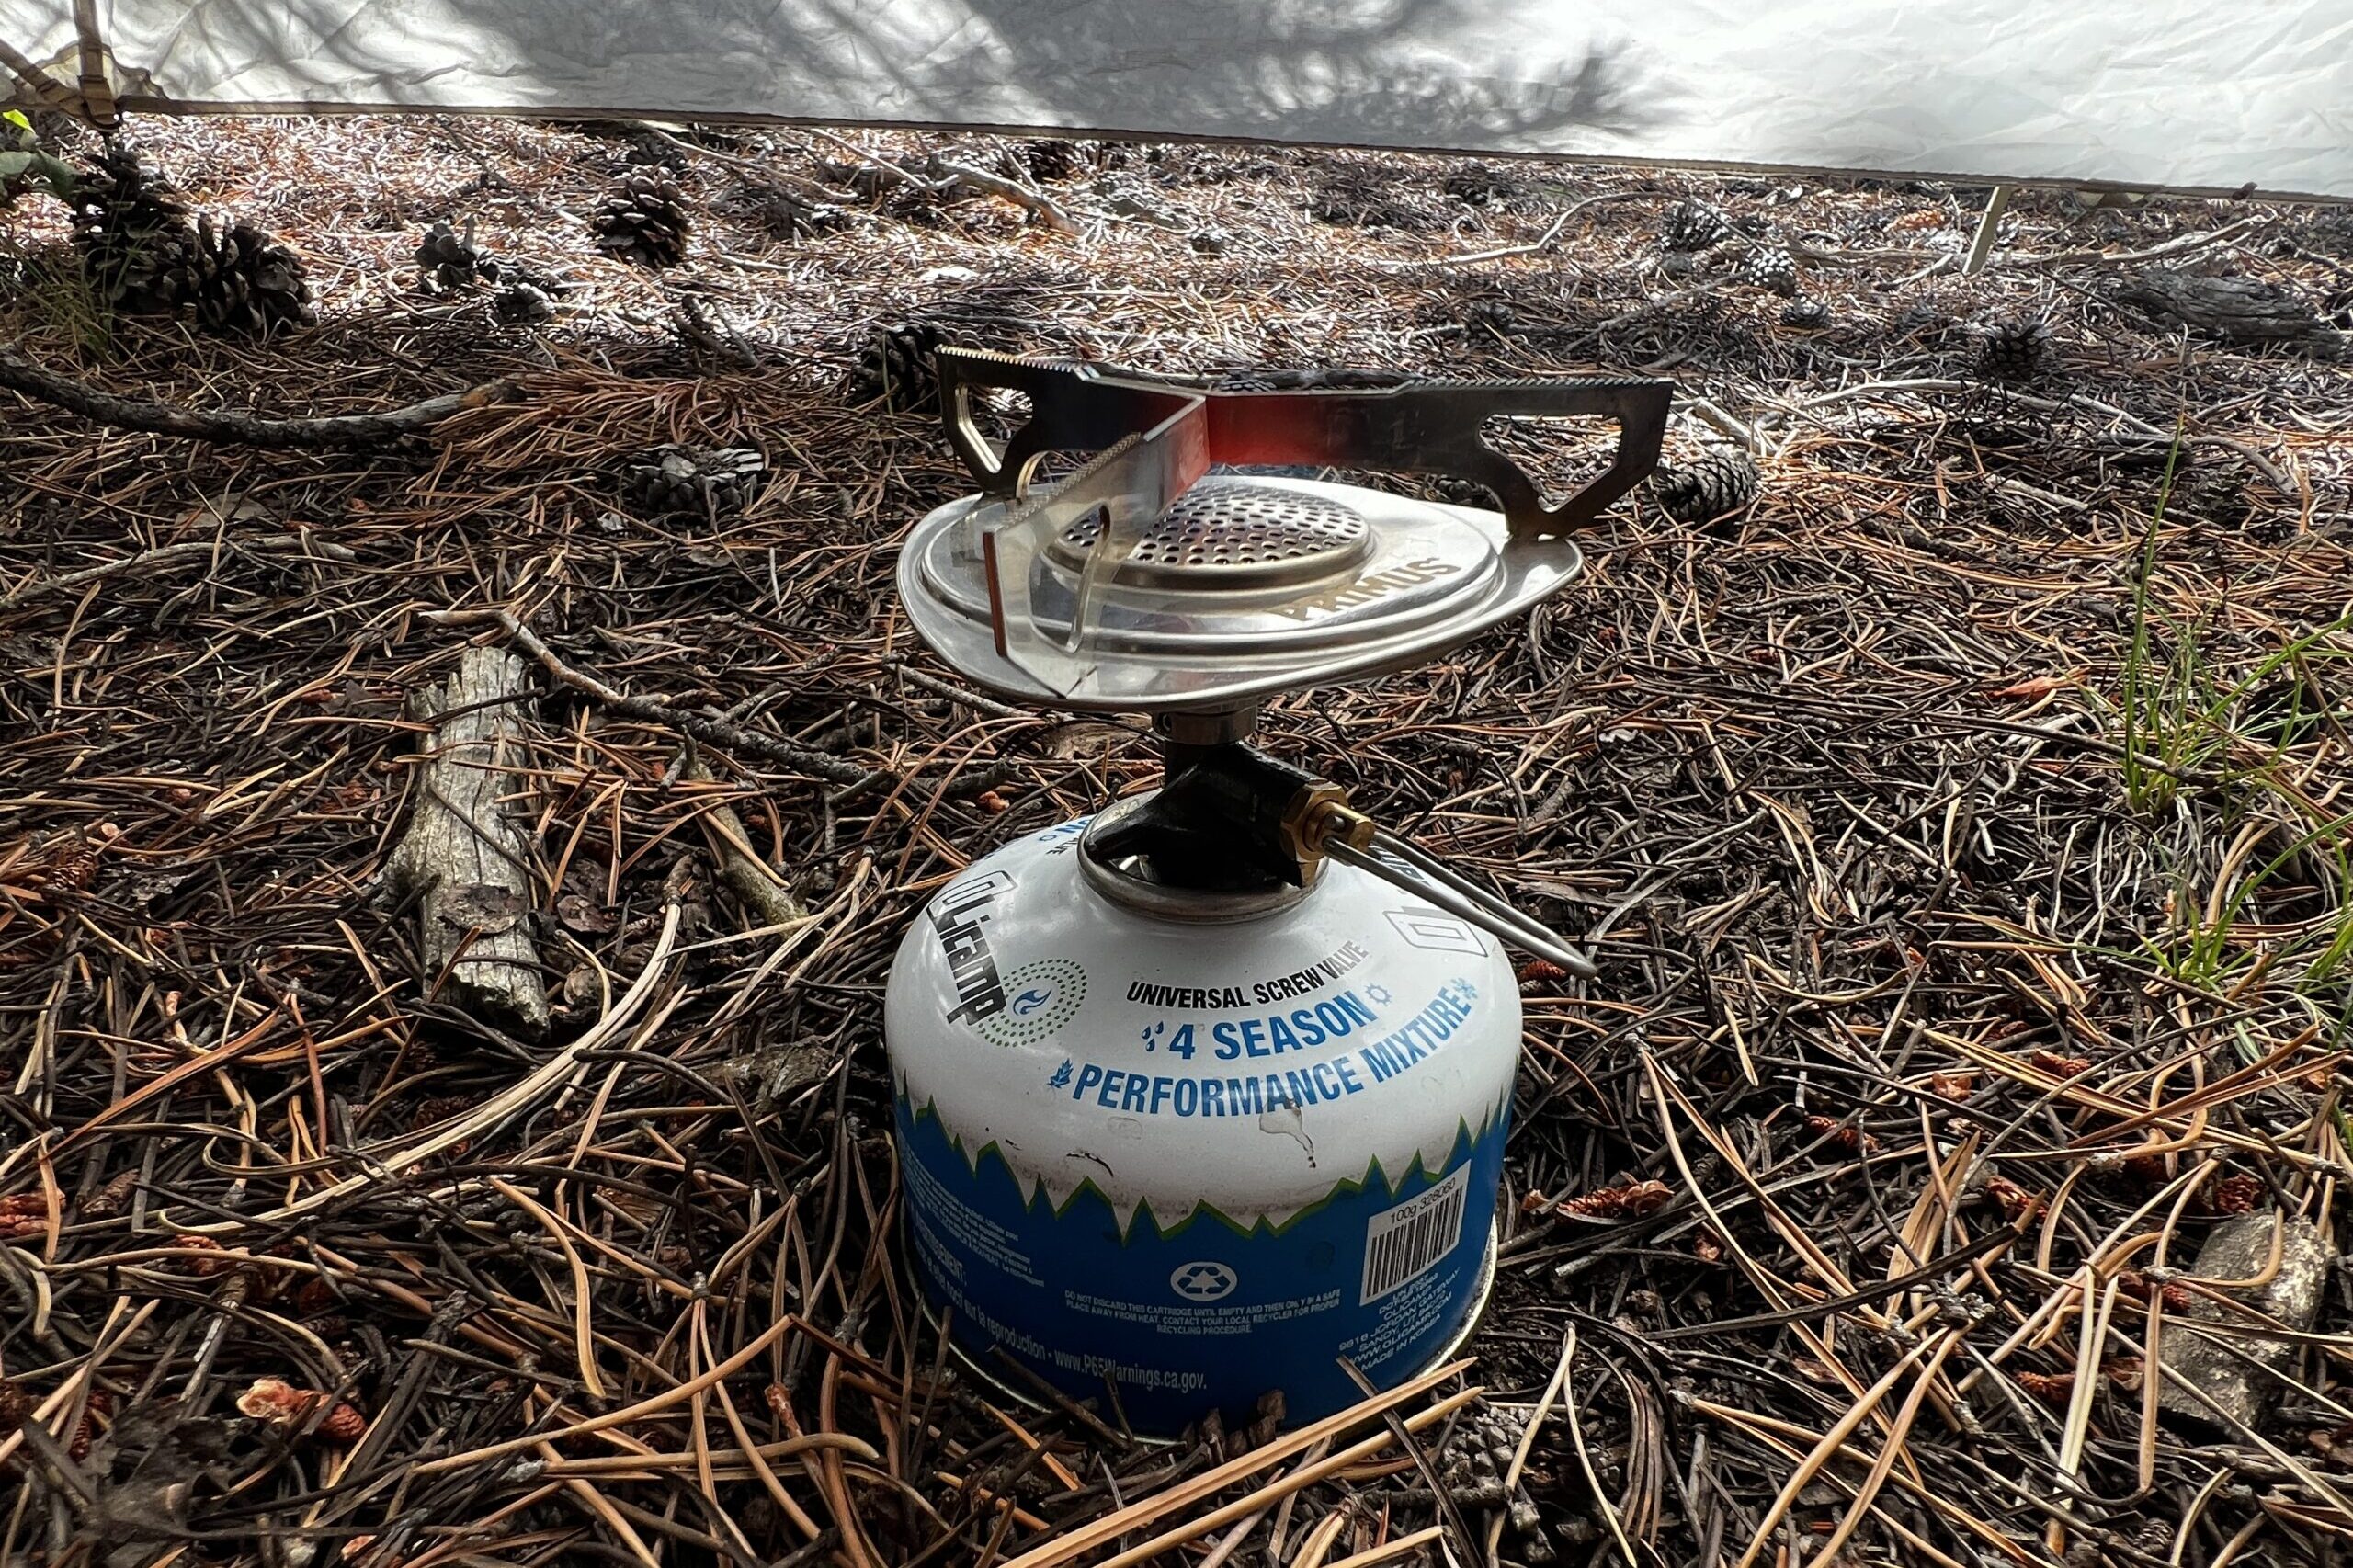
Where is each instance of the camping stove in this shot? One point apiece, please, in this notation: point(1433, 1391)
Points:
point(1200, 1095)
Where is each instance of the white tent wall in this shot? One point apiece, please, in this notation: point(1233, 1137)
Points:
point(2163, 94)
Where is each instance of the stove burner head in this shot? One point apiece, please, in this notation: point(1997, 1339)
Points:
point(1232, 535)
point(1142, 583)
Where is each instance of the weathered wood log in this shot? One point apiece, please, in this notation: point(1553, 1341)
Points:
point(2235, 1369)
point(756, 884)
point(2244, 310)
point(464, 858)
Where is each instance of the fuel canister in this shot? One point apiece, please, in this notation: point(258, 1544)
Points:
point(1193, 1161)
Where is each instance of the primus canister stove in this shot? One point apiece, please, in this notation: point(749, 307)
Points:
point(1203, 1093)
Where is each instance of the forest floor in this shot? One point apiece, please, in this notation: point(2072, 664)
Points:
point(1961, 829)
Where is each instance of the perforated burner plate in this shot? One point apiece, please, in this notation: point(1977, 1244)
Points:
point(1233, 534)
point(1245, 586)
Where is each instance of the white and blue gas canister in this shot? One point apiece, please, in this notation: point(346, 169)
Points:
point(1199, 1160)
point(1204, 1099)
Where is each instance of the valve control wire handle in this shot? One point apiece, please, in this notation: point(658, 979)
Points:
point(1332, 828)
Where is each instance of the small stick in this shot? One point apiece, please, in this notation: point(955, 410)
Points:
point(1037, 201)
point(954, 174)
point(654, 711)
point(764, 173)
point(1709, 413)
point(1543, 242)
point(1989, 226)
point(166, 556)
point(746, 872)
point(2171, 247)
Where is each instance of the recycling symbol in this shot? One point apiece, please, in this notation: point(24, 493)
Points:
point(1203, 1281)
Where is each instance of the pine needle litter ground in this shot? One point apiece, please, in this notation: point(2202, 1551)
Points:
point(1956, 802)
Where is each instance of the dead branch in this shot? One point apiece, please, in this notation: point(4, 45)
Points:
point(945, 174)
point(705, 727)
point(752, 168)
point(165, 556)
point(21, 375)
point(1038, 203)
point(1543, 242)
point(2180, 245)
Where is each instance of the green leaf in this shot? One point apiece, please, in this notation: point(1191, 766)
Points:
point(14, 164)
point(57, 173)
point(17, 117)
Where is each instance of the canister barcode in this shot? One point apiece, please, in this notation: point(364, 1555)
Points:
point(1404, 1243)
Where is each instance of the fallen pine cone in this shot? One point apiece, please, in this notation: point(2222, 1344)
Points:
point(1628, 1200)
point(2052, 1388)
point(2018, 1204)
point(1848, 1137)
point(85, 1431)
point(1805, 314)
point(2058, 1066)
point(110, 1200)
point(198, 1263)
point(2058, 1388)
point(2238, 1194)
point(1954, 1086)
point(1716, 484)
point(283, 1405)
point(1538, 971)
